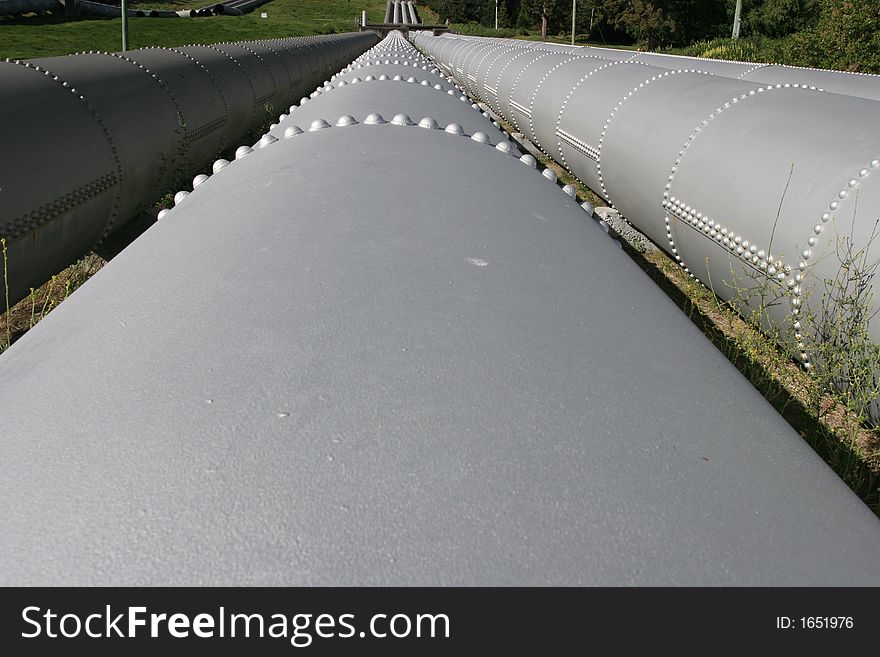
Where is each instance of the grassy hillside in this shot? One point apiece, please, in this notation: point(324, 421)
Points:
point(44, 36)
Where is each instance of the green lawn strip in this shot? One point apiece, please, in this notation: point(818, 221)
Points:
point(46, 36)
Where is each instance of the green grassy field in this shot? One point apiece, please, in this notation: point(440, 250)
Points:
point(45, 36)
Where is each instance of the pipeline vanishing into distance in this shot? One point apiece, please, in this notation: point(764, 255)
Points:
point(401, 12)
point(96, 138)
point(382, 346)
point(762, 181)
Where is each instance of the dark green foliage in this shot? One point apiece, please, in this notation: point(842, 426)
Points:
point(777, 18)
point(847, 37)
point(653, 23)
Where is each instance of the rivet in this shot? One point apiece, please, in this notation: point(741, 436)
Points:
point(179, 196)
point(242, 151)
point(529, 160)
point(292, 131)
point(162, 214)
point(219, 164)
point(374, 119)
point(318, 124)
point(199, 179)
point(266, 139)
point(454, 129)
point(549, 174)
point(481, 137)
point(429, 123)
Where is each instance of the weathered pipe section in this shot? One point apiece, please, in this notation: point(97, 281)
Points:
point(127, 127)
point(391, 366)
point(768, 192)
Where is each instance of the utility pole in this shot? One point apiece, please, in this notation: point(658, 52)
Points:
point(573, 15)
point(496, 14)
point(737, 19)
point(124, 11)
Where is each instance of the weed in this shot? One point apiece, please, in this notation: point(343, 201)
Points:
point(5, 292)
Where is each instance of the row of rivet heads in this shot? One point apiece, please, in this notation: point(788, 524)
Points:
point(73, 199)
point(397, 78)
point(429, 123)
point(548, 173)
point(606, 125)
point(752, 253)
point(774, 267)
point(327, 86)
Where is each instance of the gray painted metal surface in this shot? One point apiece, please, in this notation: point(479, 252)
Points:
point(861, 85)
point(125, 126)
point(391, 367)
point(762, 191)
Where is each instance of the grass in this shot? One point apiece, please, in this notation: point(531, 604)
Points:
point(17, 320)
point(47, 36)
point(833, 426)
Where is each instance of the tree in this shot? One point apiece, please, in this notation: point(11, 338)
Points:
point(847, 36)
point(777, 18)
point(665, 22)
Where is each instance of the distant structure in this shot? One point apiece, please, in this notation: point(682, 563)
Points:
point(402, 15)
point(402, 12)
point(89, 8)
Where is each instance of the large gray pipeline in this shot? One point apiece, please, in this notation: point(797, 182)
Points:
point(763, 191)
point(840, 82)
point(377, 349)
point(127, 127)
point(412, 19)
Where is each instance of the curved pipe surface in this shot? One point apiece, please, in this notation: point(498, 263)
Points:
point(126, 127)
point(393, 365)
point(767, 193)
